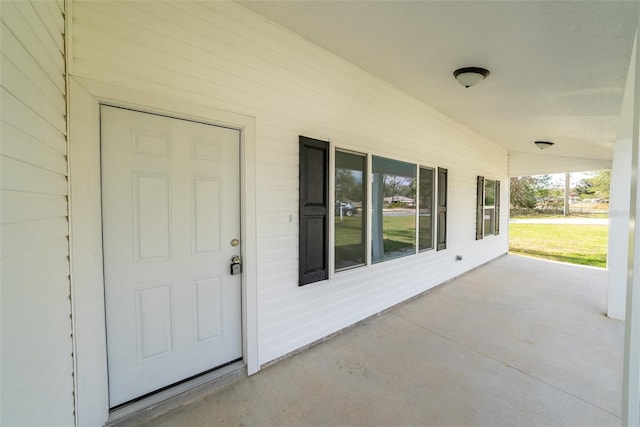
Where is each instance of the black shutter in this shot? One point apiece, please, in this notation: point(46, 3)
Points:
point(479, 207)
point(442, 209)
point(497, 210)
point(314, 200)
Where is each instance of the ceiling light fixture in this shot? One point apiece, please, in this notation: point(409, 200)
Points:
point(469, 76)
point(543, 144)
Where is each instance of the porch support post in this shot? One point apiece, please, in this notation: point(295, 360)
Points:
point(567, 189)
point(617, 261)
point(631, 377)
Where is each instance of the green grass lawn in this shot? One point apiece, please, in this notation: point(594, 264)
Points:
point(573, 214)
point(398, 230)
point(578, 244)
point(398, 233)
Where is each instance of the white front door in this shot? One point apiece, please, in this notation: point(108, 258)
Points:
point(171, 224)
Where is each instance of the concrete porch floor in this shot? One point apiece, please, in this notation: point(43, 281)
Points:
point(518, 342)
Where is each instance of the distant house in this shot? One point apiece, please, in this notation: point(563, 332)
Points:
point(399, 199)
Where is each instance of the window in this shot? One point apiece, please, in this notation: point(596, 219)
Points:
point(350, 217)
point(425, 206)
point(393, 228)
point(487, 208)
point(402, 205)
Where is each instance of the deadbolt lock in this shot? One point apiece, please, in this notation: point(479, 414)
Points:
point(236, 266)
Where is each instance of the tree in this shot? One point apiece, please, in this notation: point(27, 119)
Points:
point(396, 185)
point(602, 184)
point(348, 185)
point(523, 192)
point(584, 188)
point(595, 186)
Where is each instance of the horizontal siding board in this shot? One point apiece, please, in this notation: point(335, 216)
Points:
point(18, 206)
point(53, 46)
point(22, 31)
point(284, 183)
point(57, 16)
point(15, 53)
point(277, 242)
point(20, 85)
point(53, 20)
point(18, 268)
point(17, 175)
point(277, 255)
point(20, 116)
point(274, 230)
point(20, 146)
point(22, 236)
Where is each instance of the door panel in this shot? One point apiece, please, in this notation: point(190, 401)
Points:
point(171, 206)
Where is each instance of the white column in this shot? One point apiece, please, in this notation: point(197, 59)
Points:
point(619, 228)
point(567, 189)
point(631, 376)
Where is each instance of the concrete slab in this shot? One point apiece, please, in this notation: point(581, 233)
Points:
point(518, 341)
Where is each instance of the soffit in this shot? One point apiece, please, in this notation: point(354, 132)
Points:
point(558, 68)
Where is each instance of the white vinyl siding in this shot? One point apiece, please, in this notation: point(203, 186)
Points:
point(37, 377)
point(220, 55)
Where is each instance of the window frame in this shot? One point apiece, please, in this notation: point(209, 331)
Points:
point(327, 242)
point(482, 207)
point(365, 211)
point(368, 208)
point(486, 207)
point(432, 207)
point(400, 254)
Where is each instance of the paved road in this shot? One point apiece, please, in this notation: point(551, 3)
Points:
point(569, 220)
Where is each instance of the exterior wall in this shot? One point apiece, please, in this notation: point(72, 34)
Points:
point(36, 348)
point(219, 55)
point(526, 164)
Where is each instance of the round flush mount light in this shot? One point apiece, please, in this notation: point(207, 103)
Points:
point(469, 76)
point(543, 144)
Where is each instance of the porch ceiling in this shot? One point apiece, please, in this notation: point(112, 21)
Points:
point(558, 68)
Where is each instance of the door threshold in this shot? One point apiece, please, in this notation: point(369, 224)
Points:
point(181, 394)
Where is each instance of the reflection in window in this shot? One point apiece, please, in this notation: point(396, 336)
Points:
point(350, 248)
point(489, 206)
point(425, 205)
point(394, 209)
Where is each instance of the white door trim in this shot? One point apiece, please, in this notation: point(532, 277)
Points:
point(87, 284)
